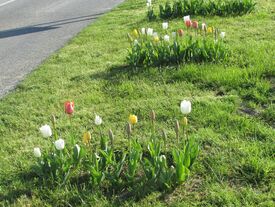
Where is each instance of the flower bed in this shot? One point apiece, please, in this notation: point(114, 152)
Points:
point(113, 167)
point(180, 8)
point(196, 44)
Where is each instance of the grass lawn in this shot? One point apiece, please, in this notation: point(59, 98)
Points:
point(233, 111)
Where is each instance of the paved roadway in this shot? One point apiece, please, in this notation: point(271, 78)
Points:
point(30, 30)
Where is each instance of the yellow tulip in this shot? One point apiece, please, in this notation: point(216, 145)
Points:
point(184, 121)
point(156, 39)
point(135, 33)
point(210, 30)
point(133, 119)
point(87, 137)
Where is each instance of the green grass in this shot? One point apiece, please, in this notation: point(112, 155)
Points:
point(233, 111)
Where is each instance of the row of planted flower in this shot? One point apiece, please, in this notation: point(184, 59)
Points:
point(179, 8)
point(195, 43)
point(114, 167)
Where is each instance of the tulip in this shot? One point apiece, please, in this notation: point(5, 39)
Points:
point(87, 137)
point(153, 115)
point(188, 23)
point(133, 119)
point(210, 30)
point(165, 25)
point(186, 18)
point(69, 107)
point(166, 38)
point(203, 26)
point(135, 42)
point(156, 39)
point(174, 34)
point(37, 152)
point(46, 131)
point(180, 32)
point(184, 121)
point(128, 129)
point(177, 130)
point(143, 31)
point(185, 107)
point(149, 3)
point(59, 144)
point(111, 137)
point(222, 35)
point(135, 33)
point(150, 31)
point(98, 120)
point(155, 34)
point(195, 24)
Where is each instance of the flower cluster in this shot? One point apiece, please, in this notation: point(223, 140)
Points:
point(195, 43)
point(105, 164)
point(180, 8)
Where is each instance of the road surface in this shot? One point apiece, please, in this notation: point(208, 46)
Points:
point(31, 30)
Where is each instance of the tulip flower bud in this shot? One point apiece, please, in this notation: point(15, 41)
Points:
point(153, 115)
point(184, 121)
point(180, 32)
point(164, 135)
point(135, 33)
point(53, 119)
point(129, 129)
point(177, 128)
point(111, 137)
point(87, 137)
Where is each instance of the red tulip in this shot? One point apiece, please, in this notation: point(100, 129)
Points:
point(69, 107)
point(180, 32)
point(195, 24)
point(188, 23)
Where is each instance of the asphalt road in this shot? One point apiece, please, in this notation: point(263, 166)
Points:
point(30, 30)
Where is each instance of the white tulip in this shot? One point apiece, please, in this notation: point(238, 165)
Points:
point(143, 31)
point(37, 152)
point(166, 38)
point(59, 144)
point(135, 42)
point(46, 131)
point(98, 120)
point(185, 107)
point(222, 35)
point(174, 34)
point(155, 34)
point(186, 18)
point(165, 25)
point(148, 4)
point(203, 26)
point(150, 31)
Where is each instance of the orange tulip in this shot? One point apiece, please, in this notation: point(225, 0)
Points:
point(195, 24)
point(180, 32)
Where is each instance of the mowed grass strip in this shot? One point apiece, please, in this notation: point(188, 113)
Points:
point(233, 111)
